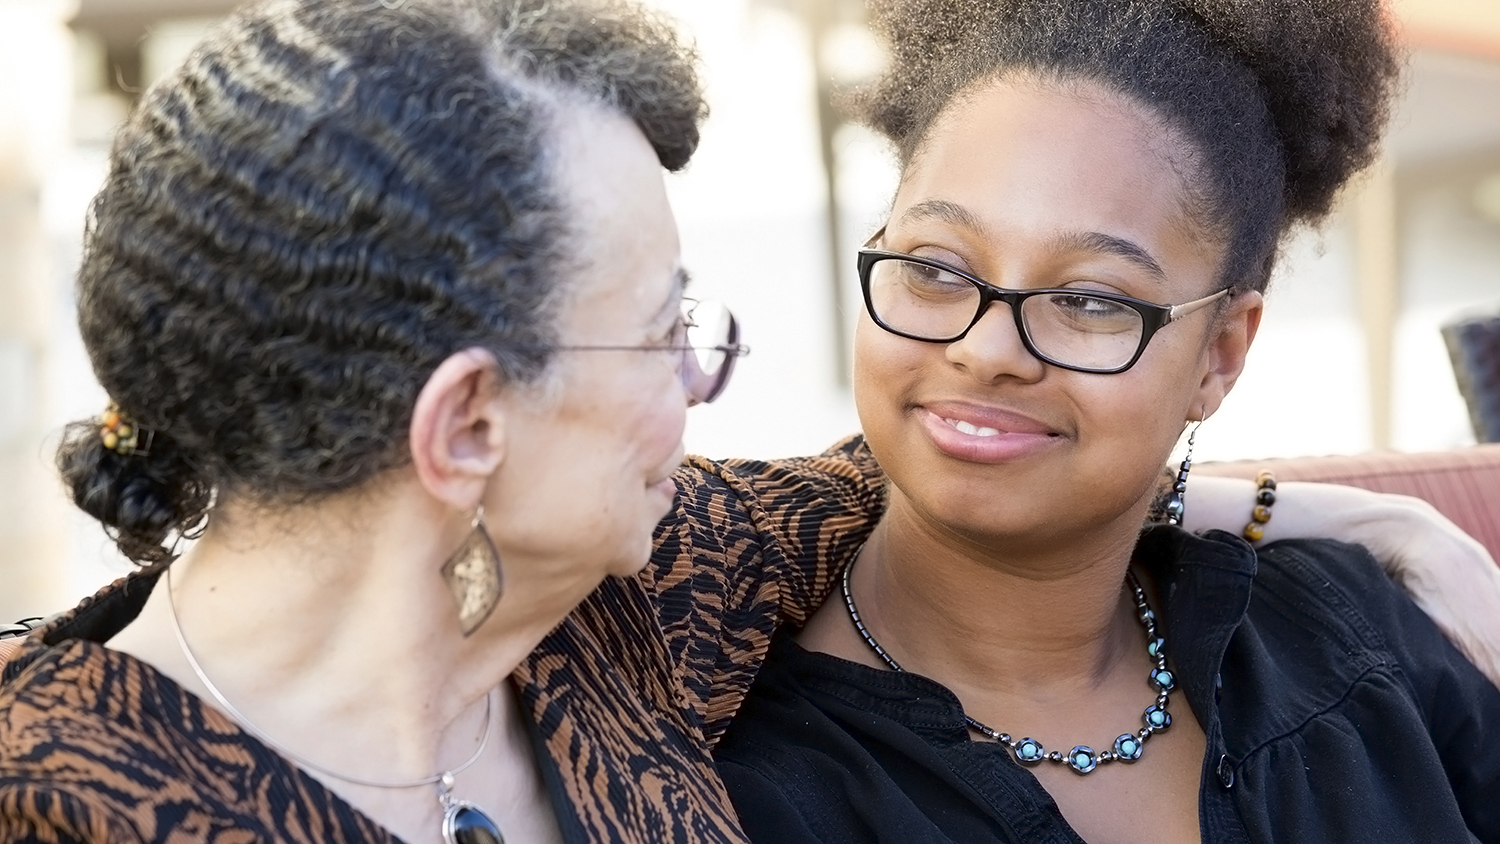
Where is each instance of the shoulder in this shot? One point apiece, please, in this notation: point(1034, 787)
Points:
point(54, 689)
point(37, 811)
point(101, 747)
point(1326, 629)
point(1336, 586)
point(752, 543)
point(69, 750)
point(847, 471)
point(1336, 677)
point(749, 518)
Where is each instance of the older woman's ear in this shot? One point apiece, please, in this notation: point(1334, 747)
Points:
point(1228, 344)
point(457, 436)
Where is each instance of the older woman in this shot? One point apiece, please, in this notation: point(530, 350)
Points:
point(387, 297)
point(1091, 202)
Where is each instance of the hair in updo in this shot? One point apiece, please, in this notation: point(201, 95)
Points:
point(326, 201)
point(1281, 100)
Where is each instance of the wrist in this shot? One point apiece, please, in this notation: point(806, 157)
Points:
point(1384, 523)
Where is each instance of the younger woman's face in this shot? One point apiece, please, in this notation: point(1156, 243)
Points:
point(1028, 184)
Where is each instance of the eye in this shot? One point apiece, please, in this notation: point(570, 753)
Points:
point(931, 282)
point(673, 333)
point(670, 328)
point(1088, 306)
point(1084, 312)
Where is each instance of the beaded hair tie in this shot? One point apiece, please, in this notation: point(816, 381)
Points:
point(122, 436)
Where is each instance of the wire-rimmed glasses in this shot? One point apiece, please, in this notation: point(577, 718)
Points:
point(1081, 330)
point(708, 338)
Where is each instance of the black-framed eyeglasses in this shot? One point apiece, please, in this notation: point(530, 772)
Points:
point(707, 336)
point(1081, 330)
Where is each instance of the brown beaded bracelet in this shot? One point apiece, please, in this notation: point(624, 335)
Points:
point(1265, 496)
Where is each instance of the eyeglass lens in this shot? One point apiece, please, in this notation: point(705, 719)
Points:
point(711, 335)
point(1071, 328)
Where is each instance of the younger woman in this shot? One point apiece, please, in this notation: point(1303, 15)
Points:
point(1092, 196)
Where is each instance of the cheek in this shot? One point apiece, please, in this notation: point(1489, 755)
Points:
point(625, 422)
point(652, 415)
point(873, 389)
point(1137, 421)
point(665, 424)
point(882, 362)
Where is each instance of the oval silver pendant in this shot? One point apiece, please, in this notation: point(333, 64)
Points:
point(465, 823)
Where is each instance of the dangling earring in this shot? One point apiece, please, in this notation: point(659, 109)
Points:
point(474, 576)
point(1176, 506)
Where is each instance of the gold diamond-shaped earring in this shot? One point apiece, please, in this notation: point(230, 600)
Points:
point(475, 577)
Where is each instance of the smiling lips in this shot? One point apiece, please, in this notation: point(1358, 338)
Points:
point(984, 434)
point(971, 429)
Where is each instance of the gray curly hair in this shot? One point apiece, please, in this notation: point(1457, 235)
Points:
point(327, 200)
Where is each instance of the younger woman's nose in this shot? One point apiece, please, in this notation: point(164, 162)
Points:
point(993, 349)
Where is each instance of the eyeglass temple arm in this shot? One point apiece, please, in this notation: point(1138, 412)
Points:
point(738, 350)
point(1179, 311)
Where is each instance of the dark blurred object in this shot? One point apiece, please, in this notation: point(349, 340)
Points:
point(1474, 346)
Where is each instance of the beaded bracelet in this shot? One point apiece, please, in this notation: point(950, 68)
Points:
point(1265, 496)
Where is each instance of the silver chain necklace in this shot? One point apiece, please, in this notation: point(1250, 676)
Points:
point(1083, 759)
point(463, 822)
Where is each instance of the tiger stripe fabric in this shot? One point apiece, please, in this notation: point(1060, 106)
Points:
point(627, 696)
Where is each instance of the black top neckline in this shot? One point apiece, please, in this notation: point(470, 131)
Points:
point(1217, 566)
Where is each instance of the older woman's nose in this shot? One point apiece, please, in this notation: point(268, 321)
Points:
point(993, 350)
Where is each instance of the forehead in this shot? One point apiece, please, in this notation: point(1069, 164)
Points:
point(624, 237)
point(1031, 159)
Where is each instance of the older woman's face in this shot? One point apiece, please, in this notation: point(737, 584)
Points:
point(1029, 185)
point(588, 469)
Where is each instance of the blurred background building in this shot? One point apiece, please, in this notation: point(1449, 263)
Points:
point(784, 190)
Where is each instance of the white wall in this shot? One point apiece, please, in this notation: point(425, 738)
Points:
point(751, 210)
point(35, 97)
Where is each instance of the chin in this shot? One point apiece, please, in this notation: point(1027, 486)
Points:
point(631, 562)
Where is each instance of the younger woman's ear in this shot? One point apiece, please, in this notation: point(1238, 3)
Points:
point(1228, 345)
point(457, 436)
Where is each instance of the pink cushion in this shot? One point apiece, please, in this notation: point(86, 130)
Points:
point(1463, 484)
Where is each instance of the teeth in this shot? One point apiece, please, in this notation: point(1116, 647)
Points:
point(971, 429)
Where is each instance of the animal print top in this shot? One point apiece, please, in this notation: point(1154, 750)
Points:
point(627, 696)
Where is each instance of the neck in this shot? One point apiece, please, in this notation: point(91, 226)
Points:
point(302, 620)
point(996, 620)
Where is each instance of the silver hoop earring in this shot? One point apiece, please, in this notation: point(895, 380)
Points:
point(1176, 502)
point(475, 577)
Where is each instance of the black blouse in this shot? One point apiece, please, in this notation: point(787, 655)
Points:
point(1334, 710)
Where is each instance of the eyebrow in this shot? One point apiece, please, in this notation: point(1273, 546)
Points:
point(948, 212)
point(1096, 242)
point(1106, 244)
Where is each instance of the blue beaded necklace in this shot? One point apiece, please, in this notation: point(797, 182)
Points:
point(1083, 759)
